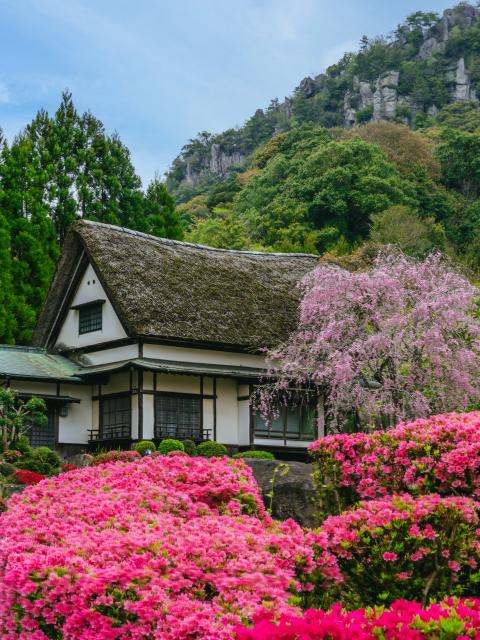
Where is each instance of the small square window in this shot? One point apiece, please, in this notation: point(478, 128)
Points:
point(90, 318)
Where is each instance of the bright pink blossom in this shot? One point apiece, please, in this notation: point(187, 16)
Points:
point(403, 621)
point(161, 548)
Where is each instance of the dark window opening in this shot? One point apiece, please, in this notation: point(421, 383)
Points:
point(115, 417)
point(178, 416)
point(43, 436)
point(90, 318)
point(292, 423)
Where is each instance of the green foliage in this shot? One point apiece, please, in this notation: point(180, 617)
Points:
point(17, 417)
point(364, 115)
point(262, 455)
point(22, 444)
point(170, 444)
point(321, 184)
point(144, 445)
point(41, 460)
point(459, 155)
point(402, 227)
point(6, 469)
point(211, 449)
point(463, 115)
point(222, 230)
point(161, 217)
point(47, 456)
point(190, 447)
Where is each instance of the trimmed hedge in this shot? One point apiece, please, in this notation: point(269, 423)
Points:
point(170, 444)
point(211, 449)
point(262, 455)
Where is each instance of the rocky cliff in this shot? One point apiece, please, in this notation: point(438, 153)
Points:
point(429, 62)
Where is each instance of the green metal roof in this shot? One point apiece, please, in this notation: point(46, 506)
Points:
point(173, 366)
point(29, 363)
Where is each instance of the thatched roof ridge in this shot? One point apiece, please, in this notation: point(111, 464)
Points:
point(178, 291)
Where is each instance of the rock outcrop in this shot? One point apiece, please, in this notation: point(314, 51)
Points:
point(329, 98)
point(459, 76)
point(293, 491)
point(217, 161)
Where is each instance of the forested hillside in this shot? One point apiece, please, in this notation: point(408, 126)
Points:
point(382, 148)
point(57, 169)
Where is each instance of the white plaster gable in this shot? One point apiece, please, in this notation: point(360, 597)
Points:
point(90, 289)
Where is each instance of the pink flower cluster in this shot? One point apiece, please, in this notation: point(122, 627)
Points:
point(404, 620)
point(405, 547)
point(161, 548)
point(440, 454)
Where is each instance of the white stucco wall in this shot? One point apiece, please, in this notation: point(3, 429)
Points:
point(74, 428)
point(118, 383)
point(243, 422)
point(227, 411)
point(30, 386)
point(148, 416)
point(117, 354)
point(90, 289)
point(205, 356)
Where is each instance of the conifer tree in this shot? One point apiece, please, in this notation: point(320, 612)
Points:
point(161, 216)
point(32, 237)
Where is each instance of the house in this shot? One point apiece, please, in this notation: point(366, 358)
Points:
point(146, 338)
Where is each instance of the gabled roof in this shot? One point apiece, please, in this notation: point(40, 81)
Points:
point(176, 291)
point(36, 364)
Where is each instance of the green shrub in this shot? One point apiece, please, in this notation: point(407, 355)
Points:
point(263, 455)
point(364, 115)
point(6, 469)
point(46, 455)
point(22, 444)
point(144, 445)
point(211, 449)
point(29, 463)
point(170, 445)
point(40, 460)
point(190, 447)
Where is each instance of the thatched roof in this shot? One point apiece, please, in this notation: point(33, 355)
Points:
point(182, 292)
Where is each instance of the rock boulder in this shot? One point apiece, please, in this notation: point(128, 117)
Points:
point(293, 491)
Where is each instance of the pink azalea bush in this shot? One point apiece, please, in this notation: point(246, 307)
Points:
point(164, 548)
point(405, 547)
point(450, 619)
point(441, 455)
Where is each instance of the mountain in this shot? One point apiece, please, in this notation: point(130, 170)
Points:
point(411, 77)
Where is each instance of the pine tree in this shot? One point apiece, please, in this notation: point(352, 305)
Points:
point(161, 216)
point(7, 321)
point(33, 242)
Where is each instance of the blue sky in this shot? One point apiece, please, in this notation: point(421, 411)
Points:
point(159, 71)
